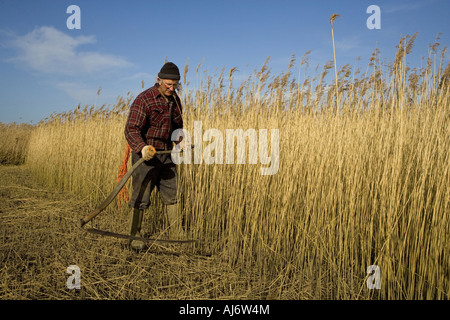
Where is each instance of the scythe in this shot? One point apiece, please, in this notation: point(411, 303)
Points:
point(111, 197)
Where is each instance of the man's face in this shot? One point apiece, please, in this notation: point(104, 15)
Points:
point(167, 86)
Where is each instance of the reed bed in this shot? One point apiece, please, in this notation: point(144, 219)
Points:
point(363, 176)
point(14, 144)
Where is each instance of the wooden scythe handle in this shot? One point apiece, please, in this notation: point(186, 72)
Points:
point(117, 189)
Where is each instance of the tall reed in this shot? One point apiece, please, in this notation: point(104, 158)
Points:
point(367, 184)
point(14, 142)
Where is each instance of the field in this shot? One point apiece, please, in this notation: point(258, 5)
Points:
point(363, 180)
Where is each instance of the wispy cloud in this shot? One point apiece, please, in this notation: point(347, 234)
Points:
point(138, 77)
point(80, 92)
point(348, 44)
point(48, 50)
point(395, 7)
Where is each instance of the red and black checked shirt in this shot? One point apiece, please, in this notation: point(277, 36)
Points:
point(152, 120)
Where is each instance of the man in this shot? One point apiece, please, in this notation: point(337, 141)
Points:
point(154, 115)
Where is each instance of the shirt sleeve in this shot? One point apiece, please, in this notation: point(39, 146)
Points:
point(177, 121)
point(135, 123)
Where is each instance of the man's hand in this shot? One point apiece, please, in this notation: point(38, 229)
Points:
point(183, 145)
point(148, 152)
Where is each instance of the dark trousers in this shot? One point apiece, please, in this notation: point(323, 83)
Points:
point(159, 172)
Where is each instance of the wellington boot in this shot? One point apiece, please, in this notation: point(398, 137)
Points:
point(135, 229)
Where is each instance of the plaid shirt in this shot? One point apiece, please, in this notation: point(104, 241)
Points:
point(152, 120)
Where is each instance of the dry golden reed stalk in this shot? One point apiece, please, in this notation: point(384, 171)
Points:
point(14, 142)
point(332, 18)
point(367, 185)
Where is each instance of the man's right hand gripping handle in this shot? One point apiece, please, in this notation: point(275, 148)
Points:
point(148, 152)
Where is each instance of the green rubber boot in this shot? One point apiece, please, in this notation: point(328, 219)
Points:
point(135, 229)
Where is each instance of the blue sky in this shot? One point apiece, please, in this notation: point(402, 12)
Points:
point(46, 67)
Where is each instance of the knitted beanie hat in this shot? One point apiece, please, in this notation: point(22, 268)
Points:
point(169, 71)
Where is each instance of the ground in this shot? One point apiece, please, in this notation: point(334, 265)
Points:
point(40, 239)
